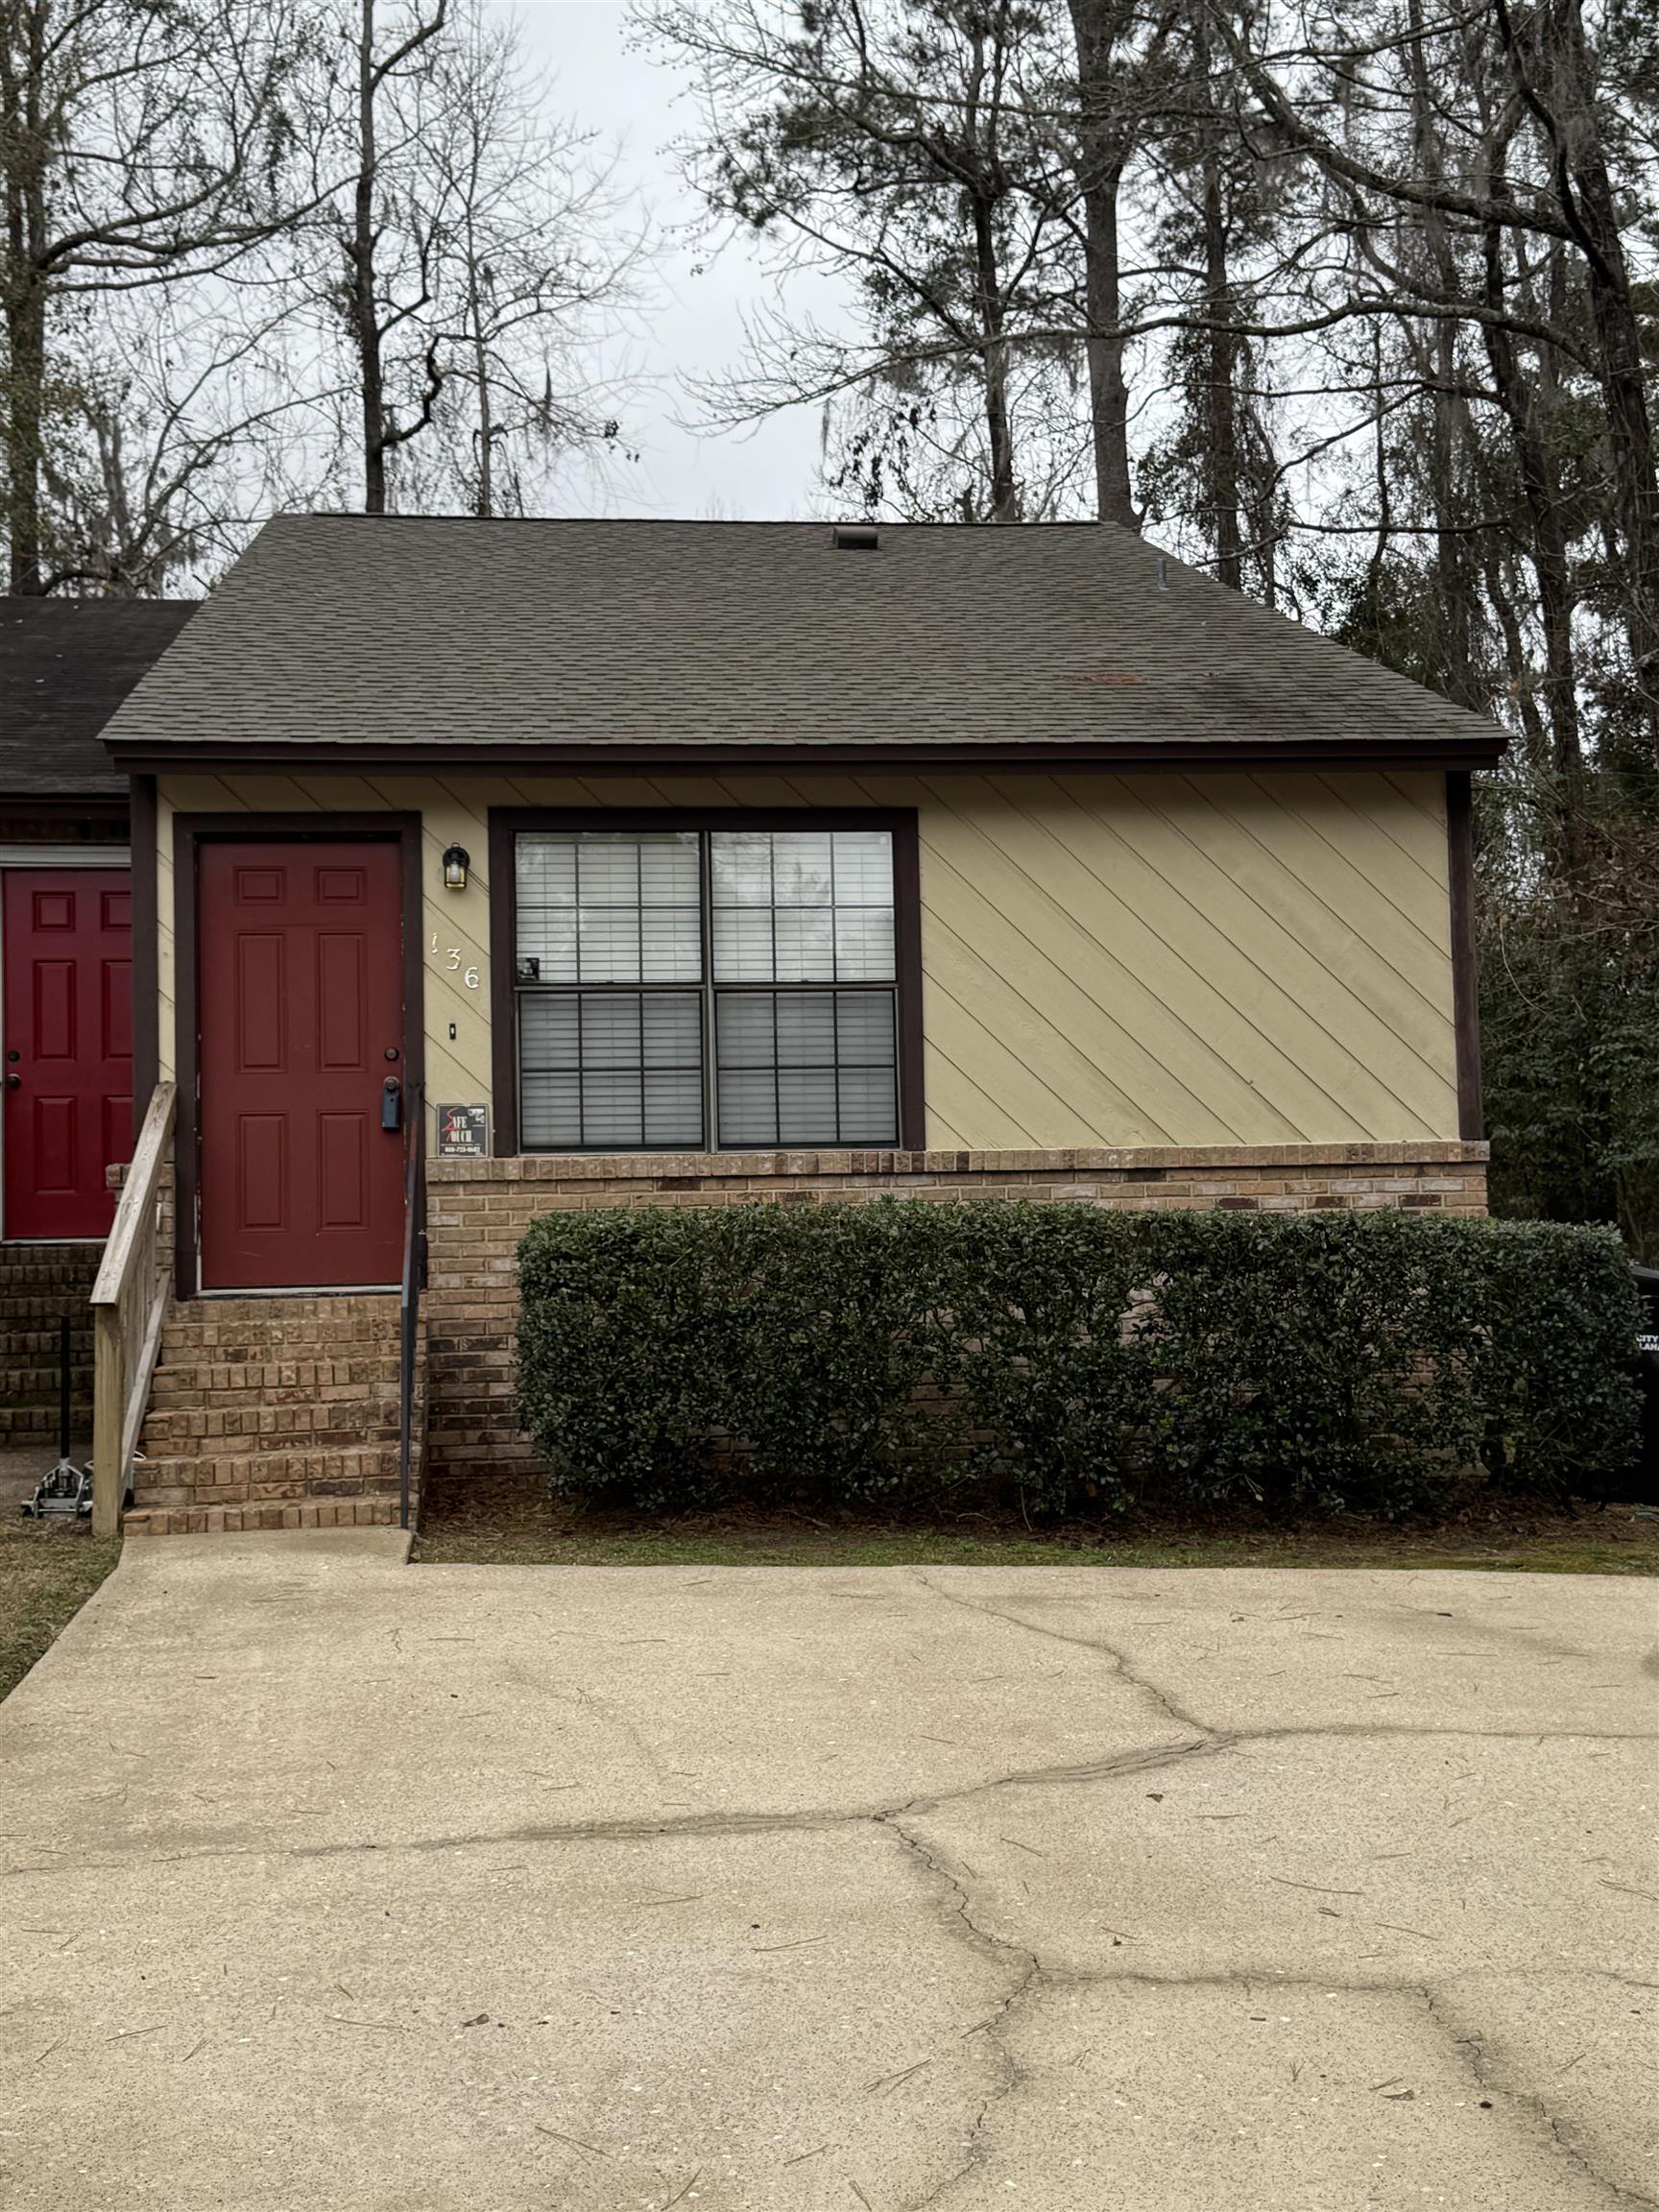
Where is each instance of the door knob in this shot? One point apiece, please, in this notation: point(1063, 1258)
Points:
point(14, 1082)
point(391, 1104)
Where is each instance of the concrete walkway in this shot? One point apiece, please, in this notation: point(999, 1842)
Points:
point(333, 1882)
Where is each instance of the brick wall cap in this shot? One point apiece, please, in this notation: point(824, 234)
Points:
point(648, 1168)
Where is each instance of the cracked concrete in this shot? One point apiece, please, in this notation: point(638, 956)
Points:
point(325, 1882)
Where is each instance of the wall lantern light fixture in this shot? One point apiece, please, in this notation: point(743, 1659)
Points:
point(456, 862)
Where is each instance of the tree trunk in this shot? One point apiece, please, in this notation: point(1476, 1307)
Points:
point(1515, 655)
point(1096, 26)
point(1455, 613)
point(1004, 493)
point(365, 311)
point(1220, 344)
point(23, 151)
point(1619, 349)
point(26, 343)
point(486, 425)
point(1549, 554)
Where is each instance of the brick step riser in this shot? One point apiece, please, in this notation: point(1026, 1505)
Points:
point(214, 1520)
point(39, 1348)
point(196, 1470)
point(46, 1309)
point(176, 1441)
point(38, 1380)
point(286, 1382)
point(275, 1350)
point(175, 1482)
point(260, 1314)
point(171, 1494)
point(233, 1459)
point(28, 1422)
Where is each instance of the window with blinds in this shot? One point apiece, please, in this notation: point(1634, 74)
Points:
point(683, 990)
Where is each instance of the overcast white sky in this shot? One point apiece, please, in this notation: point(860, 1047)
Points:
point(694, 321)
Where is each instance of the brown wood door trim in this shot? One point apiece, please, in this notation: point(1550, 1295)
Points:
point(146, 951)
point(188, 831)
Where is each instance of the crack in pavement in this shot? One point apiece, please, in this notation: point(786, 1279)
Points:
point(1187, 1719)
point(1002, 1954)
point(1120, 1662)
point(1146, 1759)
point(1033, 1978)
point(1471, 2047)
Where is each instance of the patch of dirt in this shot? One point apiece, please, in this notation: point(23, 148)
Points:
point(512, 1518)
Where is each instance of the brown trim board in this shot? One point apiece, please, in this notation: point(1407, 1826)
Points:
point(146, 949)
point(505, 821)
point(190, 829)
point(1466, 985)
point(1036, 757)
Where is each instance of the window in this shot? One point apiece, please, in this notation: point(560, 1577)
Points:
point(696, 988)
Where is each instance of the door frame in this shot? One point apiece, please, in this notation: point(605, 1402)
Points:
point(189, 832)
point(57, 852)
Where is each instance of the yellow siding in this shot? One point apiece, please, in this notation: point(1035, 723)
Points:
point(1147, 959)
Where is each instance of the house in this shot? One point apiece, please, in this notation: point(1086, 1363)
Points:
point(65, 955)
point(627, 862)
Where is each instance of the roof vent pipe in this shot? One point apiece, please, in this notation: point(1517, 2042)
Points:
point(855, 538)
point(1162, 573)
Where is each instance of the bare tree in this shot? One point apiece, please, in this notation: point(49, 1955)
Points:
point(187, 425)
point(137, 144)
point(469, 267)
point(537, 260)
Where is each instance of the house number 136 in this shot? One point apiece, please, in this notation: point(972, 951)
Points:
point(452, 959)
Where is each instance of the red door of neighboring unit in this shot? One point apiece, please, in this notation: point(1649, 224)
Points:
point(69, 1047)
point(299, 1012)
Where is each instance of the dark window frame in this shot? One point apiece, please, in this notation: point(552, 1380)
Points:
point(900, 823)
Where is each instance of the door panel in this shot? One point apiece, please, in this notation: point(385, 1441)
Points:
point(299, 1000)
point(68, 1112)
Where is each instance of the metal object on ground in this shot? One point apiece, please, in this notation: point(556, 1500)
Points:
point(67, 1493)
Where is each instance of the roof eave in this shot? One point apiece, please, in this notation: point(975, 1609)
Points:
point(1480, 748)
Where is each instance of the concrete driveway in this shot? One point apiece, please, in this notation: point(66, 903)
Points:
point(335, 1883)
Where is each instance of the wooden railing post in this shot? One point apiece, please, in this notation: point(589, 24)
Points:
point(108, 1418)
point(129, 1305)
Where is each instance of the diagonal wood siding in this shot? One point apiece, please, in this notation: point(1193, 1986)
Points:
point(1121, 960)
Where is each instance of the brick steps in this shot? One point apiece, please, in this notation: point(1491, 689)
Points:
point(39, 1285)
point(272, 1412)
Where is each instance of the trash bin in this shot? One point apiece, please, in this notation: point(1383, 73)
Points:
point(1645, 1486)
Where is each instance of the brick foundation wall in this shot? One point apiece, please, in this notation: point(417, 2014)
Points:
point(479, 1210)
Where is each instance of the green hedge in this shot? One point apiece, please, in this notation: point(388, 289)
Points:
point(1078, 1358)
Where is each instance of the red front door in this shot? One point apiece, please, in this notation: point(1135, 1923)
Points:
point(300, 962)
point(69, 1047)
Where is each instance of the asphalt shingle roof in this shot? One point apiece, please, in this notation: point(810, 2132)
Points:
point(409, 632)
point(65, 666)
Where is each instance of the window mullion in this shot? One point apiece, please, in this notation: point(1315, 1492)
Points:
point(706, 993)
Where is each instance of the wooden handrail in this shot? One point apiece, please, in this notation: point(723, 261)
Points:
point(129, 1304)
